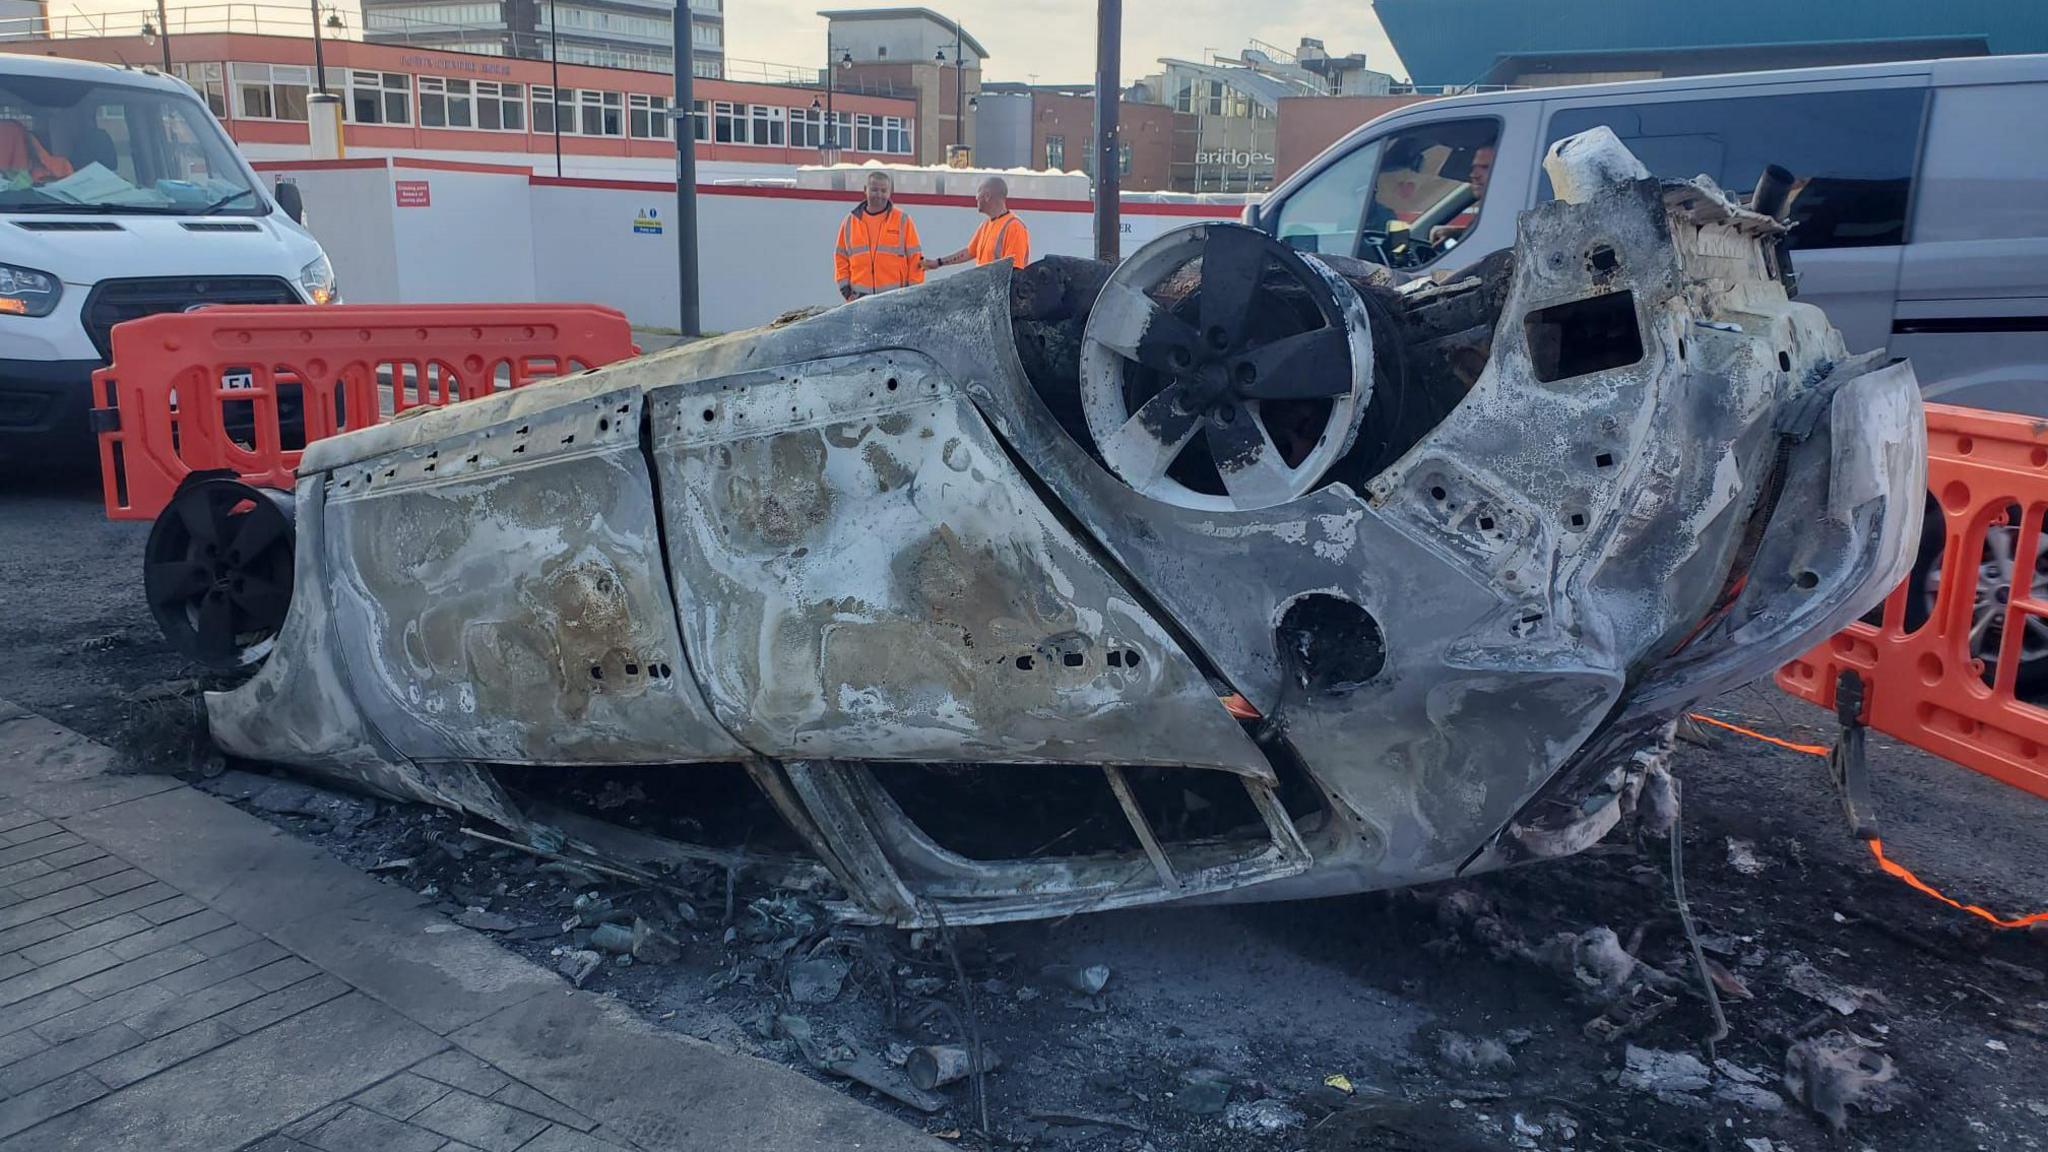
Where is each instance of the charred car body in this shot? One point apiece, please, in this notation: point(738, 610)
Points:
point(1320, 584)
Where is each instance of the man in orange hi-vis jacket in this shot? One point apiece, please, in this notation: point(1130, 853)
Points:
point(1001, 237)
point(878, 247)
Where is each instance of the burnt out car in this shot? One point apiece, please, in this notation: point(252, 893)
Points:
point(1227, 574)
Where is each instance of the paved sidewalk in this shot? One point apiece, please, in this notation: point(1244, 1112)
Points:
point(178, 975)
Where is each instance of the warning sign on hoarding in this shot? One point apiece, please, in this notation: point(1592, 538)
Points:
point(414, 194)
point(648, 222)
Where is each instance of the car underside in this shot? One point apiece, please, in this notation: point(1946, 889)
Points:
point(1227, 573)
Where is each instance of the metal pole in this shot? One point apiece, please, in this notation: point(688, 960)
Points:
point(555, 81)
point(831, 116)
point(1109, 35)
point(163, 35)
point(959, 89)
point(319, 60)
point(687, 318)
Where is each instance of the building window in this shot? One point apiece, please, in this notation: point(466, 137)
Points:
point(603, 112)
point(548, 109)
point(707, 36)
point(500, 107)
point(379, 97)
point(647, 117)
point(271, 91)
point(1184, 101)
point(869, 134)
point(730, 120)
point(767, 125)
point(896, 135)
point(700, 116)
point(807, 127)
point(1056, 153)
point(446, 103)
point(707, 70)
point(1215, 97)
point(410, 17)
point(208, 82)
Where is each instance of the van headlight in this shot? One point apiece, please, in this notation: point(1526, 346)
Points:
point(27, 292)
point(318, 280)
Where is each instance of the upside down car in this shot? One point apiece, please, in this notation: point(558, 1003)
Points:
point(1227, 573)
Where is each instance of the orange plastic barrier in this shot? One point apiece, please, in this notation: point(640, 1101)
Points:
point(247, 388)
point(1988, 472)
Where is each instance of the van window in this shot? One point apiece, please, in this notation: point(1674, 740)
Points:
point(1402, 200)
point(1324, 214)
point(78, 146)
point(1987, 165)
point(1850, 153)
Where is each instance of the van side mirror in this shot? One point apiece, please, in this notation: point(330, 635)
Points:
point(288, 198)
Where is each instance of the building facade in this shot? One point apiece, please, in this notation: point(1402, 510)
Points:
point(1466, 42)
point(634, 34)
point(1228, 109)
point(402, 100)
point(912, 52)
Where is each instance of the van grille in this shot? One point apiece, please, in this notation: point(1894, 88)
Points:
point(218, 226)
point(114, 301)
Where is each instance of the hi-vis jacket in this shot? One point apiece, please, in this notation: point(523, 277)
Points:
point(878, 251)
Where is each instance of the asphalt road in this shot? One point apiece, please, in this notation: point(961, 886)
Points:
point(1279, 997)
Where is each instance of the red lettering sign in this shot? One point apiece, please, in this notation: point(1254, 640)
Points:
point(414, 194)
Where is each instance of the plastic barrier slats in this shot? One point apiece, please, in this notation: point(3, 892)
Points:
point(1988, 473)
point(247, 388)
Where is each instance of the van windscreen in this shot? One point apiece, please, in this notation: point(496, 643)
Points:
point(79, 146)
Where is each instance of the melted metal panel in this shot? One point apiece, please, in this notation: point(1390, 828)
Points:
point(866, 576)
point(498, 595)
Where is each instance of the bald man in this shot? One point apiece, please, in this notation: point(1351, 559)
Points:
point(1001, 237)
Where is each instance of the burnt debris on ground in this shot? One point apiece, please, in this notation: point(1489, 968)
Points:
point(1555, 1007)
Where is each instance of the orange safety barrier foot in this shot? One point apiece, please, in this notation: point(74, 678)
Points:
point(1847, 765)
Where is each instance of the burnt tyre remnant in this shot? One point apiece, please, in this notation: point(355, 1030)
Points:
point(1228, 573)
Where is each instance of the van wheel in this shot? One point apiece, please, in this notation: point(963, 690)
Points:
point(1997, 571)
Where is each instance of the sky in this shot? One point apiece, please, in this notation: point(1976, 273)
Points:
point(1055, 39)
point(1051, 40)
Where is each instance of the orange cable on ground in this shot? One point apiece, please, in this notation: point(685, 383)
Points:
point(1890, 867)
point(1902, 872)
point(1809, 749)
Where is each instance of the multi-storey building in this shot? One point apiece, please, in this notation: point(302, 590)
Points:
point(636, 34)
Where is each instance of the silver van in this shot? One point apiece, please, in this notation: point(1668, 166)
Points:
point(1919, 190)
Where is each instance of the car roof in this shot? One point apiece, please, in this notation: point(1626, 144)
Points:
point(59, 68)
point(1984, 69)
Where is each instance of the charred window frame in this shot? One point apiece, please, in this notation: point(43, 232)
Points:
point(1581, 337)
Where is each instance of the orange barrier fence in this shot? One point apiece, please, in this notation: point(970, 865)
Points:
point(247, 388)
point(1942, 669)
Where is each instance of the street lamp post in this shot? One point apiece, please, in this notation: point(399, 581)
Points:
point(163, 34)
point(1109, 35)
point(828, 148)
point(555, 84)
point(959, 89)
point(319, 59)
point(689, 319)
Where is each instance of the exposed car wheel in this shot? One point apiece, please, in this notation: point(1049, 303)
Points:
point(218, 570)
point(1997, 571)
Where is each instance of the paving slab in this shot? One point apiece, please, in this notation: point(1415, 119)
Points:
point(243, 1091)
point(179, 975)
point(661, 1090)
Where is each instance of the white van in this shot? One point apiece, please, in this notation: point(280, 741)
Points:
point(1919, 192)
point(120, 196)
